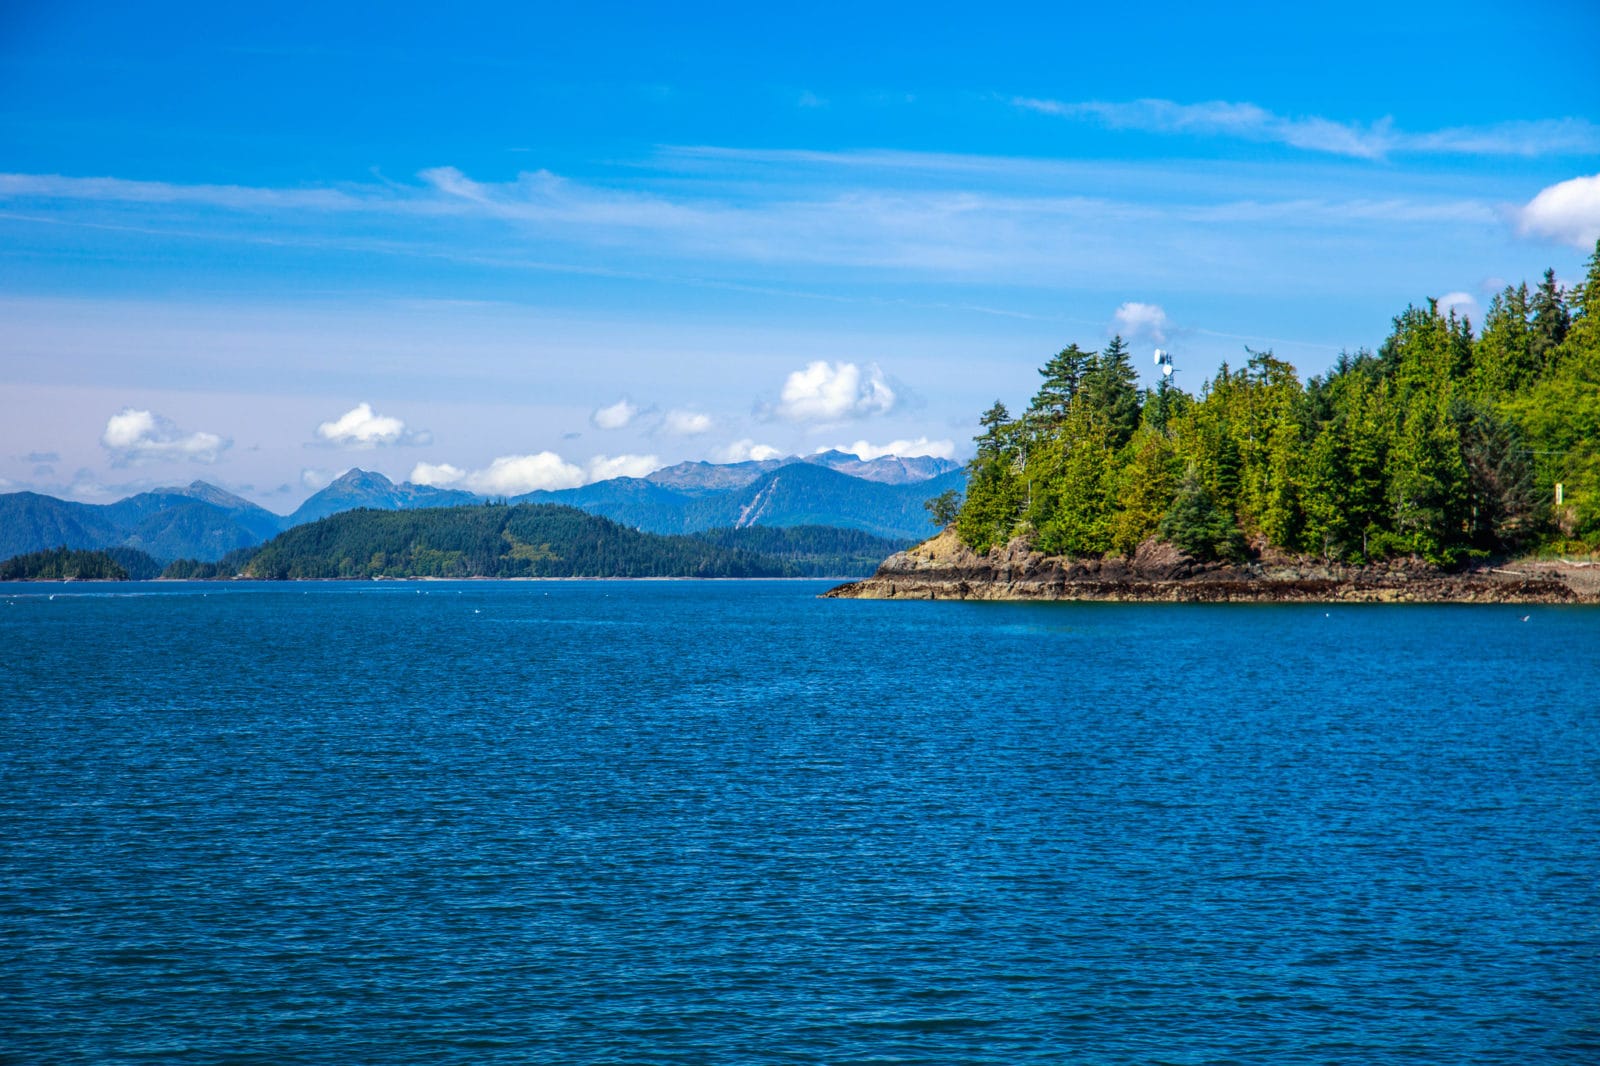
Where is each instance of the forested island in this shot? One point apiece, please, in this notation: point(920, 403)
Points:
point(64, 564)
point(488, 540)
point(1443, 452)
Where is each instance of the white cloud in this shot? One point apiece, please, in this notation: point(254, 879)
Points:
point(315, 479)
point(606, 467)
point(438, 474)
point(361, 427)
point(1463, 302)
point(1376, 140)
point(616, 416)
point(1568, 212)
point(1139, 321)
point(742, 451)
point(686, 423)
point(135, 436)
point(513, 475)
point(939, 449)
point(833, 392)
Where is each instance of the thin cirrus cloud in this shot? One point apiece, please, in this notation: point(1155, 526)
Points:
point(135, 436)
point(514, 475)
point(824, 392)
point(858, 214)
point(1375, 140)
point(362, 427)
point(1568, 212)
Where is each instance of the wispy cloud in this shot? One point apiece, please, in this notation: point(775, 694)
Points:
point(920, 217)
point(1374, 140)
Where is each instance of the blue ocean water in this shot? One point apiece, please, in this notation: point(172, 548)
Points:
point(690, 822)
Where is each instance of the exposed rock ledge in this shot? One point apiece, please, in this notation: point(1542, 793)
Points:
point(945, 569)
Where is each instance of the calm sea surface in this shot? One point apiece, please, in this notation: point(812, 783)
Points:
point(680, 822)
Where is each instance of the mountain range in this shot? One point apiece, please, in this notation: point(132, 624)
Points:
point(882, 496)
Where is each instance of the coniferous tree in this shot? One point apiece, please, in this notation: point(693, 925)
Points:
point(1063, 376)
point(1551, 320)
point(1198, 525)
point(1144, 489)
point(1442, 444)
point(1505, 362)
point(1111, 386)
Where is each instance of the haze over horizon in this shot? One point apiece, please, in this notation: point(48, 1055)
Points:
point(532, 249)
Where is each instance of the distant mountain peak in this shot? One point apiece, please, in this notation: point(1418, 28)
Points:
point(356, 476)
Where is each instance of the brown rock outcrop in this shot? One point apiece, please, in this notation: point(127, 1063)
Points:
point(944, 568)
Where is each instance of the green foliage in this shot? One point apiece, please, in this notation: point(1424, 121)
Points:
point(1145, 487)
point(943, 508)
point(1197, 525)
point(1072, 489)
point(1111, 389)
point(996, 494)
point(1063, 375)
point(1443, 445)
point(64, 564)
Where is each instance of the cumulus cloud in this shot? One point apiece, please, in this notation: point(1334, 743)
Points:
point(134, 436)
point(616, 416)
point(834, 392)
point(438, 474)
point(742, 451)
point(1137, 321)
point(938, 449)
point(686, 423)
point(605, 467)
point(361, 427)
point(1568, 212)
point(1463, 302)
point(513, 475)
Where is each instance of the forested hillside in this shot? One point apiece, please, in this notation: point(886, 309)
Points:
point(1447, 443)
point(537, 540)
point(810, 551)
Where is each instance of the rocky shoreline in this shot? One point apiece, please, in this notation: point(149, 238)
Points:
point(945, 569)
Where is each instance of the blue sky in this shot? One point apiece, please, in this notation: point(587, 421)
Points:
point(547, 244)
